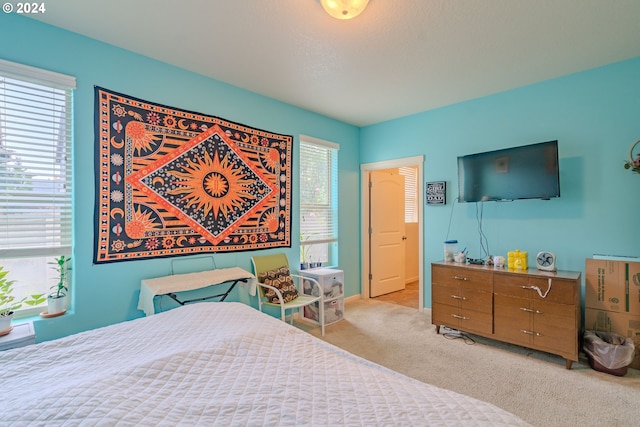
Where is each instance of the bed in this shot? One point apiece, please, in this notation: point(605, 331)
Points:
point(217, 363)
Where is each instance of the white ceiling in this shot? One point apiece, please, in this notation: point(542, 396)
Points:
point(398, 57)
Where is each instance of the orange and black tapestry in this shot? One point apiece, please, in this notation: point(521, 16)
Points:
point(173, 182)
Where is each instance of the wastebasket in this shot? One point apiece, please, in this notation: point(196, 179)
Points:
point(608, 352)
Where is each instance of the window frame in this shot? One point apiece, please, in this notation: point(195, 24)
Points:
point(36, 113)
point(326, 235)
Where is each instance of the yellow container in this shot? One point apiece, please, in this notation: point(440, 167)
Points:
point(517, 260)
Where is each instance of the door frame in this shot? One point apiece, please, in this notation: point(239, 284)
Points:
point(365, 170)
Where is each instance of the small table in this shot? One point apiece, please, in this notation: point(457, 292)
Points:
point(22, 334)
point(169, 285)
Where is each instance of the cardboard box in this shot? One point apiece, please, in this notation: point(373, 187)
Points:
point(626, 325)
point(613, 285)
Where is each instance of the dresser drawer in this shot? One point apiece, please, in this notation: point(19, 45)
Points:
point(475, 321)
point(479, 301)
point(556, 327)
point(511, 312)
point(442, 314)
point(511, 284)
point(463, 298)
point(462, 319)
point(445, 295)
point(561, 291)
point(468, 278)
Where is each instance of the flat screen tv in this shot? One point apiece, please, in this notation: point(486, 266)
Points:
point(524, 172)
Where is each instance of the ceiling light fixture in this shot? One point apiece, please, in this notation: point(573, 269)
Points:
point(344, 9)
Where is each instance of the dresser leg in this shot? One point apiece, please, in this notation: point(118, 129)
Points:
point(438, 329)
point(569, 363)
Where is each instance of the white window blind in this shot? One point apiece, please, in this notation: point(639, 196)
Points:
point(318, 192)
point(410, 193)
point(35, 161)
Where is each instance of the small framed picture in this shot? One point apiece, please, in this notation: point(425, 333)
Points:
point(436, 193)
point(502, 164)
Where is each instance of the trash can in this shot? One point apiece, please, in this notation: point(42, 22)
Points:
point(608, 352)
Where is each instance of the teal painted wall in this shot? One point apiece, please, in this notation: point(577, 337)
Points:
point(595, 116)
point(108, 293)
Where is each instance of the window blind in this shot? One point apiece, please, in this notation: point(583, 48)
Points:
point(35, 161)
point(410, 193)
point(318, 193)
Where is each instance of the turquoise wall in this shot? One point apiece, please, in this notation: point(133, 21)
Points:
point(594, 115)
point(108, 293)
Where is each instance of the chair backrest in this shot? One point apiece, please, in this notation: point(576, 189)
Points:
point(265, 263)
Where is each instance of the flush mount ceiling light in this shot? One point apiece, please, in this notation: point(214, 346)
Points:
point(344, 9)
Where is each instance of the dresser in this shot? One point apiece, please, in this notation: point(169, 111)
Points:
point(531, 308)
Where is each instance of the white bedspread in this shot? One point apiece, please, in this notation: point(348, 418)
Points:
point(217, 363)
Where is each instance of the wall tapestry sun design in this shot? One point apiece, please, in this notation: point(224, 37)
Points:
point(173, 182)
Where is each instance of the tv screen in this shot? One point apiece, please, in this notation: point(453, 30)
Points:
point(525, 172)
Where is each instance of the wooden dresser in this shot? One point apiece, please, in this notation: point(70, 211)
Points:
point(532, 308)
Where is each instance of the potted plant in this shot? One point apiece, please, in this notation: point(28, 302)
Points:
point(8, 303)
point(56, 300)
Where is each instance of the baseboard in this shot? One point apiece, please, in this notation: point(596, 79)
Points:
point(352, 298)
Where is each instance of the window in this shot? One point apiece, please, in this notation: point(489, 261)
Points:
point(35, 174)
point(318, 201)
point(410, 193)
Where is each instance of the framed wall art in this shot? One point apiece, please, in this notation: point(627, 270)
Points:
point(436, 193)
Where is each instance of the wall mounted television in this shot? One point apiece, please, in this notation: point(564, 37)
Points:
point(524, 172)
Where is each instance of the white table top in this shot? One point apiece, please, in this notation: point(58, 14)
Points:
point(149, 288)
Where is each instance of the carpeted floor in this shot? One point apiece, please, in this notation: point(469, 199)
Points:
point(531, 384)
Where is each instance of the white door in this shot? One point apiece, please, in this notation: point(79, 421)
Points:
point(387, 235)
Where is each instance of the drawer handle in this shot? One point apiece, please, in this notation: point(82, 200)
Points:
point(531, 288)
point(459, 297)
point(460, 278)
point(524, 331)
point(456, 316)
point(528, 310)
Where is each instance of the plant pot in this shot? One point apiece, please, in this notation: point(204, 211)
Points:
point(56, 304)
point(5, 322)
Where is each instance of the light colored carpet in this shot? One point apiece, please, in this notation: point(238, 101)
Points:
point(533, 385)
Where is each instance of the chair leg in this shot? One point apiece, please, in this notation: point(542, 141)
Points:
point(321, 310)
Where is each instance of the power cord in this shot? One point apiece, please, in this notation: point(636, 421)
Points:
point(484, 242)
point(540, 291)
point(453, 334)
point(450, 217)
point(460, 335)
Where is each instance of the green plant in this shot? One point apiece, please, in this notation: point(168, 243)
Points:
point(35, 299)
point(8, 303)
point(61, 265)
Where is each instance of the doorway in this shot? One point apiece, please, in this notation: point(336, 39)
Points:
point(368, 251)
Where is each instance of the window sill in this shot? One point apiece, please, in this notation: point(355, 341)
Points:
point(34, 315)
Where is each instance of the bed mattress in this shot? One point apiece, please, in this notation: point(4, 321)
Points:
point(218, 363)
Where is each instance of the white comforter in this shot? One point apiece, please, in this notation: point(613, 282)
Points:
point(217, 363)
